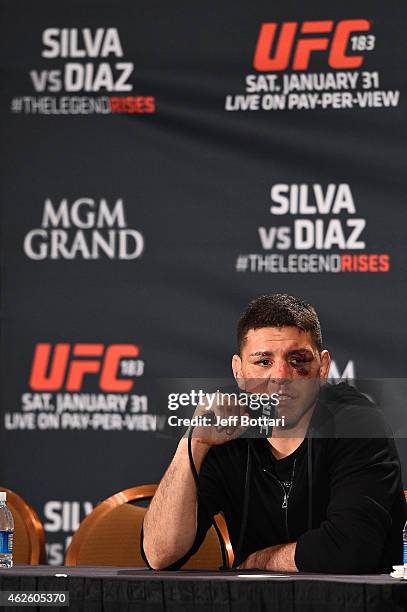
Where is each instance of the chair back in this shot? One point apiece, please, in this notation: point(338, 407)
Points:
point(28, 541)
point(110, 535)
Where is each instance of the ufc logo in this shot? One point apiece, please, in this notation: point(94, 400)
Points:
point(284, 47)
point(48, 374)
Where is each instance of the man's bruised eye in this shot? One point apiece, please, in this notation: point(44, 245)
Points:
point(302, 369)
point(303, 357)
point(302, 362)
point(299, 362)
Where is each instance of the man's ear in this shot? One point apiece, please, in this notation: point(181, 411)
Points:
point(237, 371)
point(325, 364)
point(237, 367)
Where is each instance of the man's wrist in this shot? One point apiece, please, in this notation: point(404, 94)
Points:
point(276, 558)
point(199, 450)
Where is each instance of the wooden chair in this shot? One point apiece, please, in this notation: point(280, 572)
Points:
point(110, 535)
point(28, 543)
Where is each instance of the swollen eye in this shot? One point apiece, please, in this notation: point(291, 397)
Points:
point(302, 364)
point(303, 358)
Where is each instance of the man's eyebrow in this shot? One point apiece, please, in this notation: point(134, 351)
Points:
point(290, 352)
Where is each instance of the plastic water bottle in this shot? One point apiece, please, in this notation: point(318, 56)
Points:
point(6, 533)
point(405, 550)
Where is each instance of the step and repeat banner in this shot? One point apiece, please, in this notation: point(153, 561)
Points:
point(162, 164)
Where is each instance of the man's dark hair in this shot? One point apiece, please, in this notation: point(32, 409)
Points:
point(279, 310)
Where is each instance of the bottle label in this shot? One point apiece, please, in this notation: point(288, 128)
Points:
point(6, 542)
point(405, 552)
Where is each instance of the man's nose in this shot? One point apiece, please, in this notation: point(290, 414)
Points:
point(280, 373)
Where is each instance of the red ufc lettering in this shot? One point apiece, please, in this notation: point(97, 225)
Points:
point(81, 367)
point(337, 56)
point(284, 47)
point(39, 379)
point(305, 46)
point(108, 379)
point(48, 374)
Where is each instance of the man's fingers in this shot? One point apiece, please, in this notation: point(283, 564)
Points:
point(225, 424)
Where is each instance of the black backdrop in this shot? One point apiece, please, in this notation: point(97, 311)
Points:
point(126, 123)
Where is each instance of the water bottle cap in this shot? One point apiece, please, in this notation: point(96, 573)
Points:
point(3, 496)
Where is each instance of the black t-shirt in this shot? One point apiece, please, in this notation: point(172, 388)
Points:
point(284, 468)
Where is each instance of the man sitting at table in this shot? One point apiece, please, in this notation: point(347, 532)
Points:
point(323, 494)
